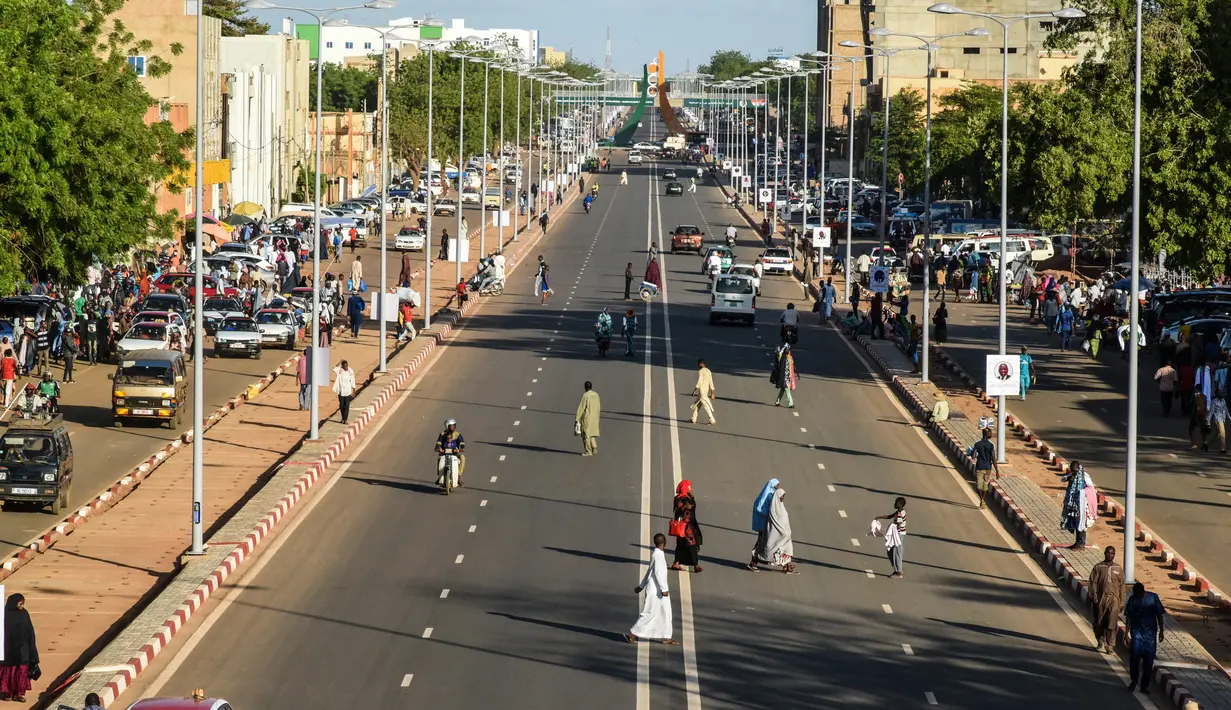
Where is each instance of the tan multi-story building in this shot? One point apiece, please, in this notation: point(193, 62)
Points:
point(349, 157)
point(166, 23)
point(552, 57)
point(267, 112)
point(957, 60)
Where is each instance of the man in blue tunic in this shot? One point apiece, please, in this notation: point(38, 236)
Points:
point(1143, 620)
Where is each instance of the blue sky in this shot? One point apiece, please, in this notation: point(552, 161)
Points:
point(687, 31)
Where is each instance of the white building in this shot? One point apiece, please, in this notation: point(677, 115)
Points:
point(267, 108)
point(338, 43)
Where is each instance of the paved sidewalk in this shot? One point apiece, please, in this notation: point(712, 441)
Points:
point(1184, 670)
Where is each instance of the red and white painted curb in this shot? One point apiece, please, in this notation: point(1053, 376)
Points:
point(1178, 694)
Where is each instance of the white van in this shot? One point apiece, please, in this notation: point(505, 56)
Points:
point(733, 296)
point(634, 157)
point(1017, 247)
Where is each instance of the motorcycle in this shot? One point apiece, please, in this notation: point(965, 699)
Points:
point(447, 467)
point(790, 334)
point(730, 241)
point(603, 339)
point(586, 204)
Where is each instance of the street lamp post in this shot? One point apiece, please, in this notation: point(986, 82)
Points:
point(1130, 471)
point(1005, 22)
point(930, 47)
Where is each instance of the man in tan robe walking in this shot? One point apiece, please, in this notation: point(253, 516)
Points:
point(1107, 596)
point(588, 413)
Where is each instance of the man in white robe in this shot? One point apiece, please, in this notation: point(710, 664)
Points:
point(654, 624)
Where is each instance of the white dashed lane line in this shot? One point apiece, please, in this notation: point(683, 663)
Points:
point(821, 466)
point(459, 559)
point(493, 479)
point(509, 440)
point(444, 594)
point(804, 430)
point(841, 513)
point(855, 541)
point(517, 422)
point(473, 528)
point(483, 503)
point(502, 457)
point(406, 679)
point(831, 488)
point(888, 609)
point(931, 698)
point(907, 649)
point(427, 633)
point(870, 573)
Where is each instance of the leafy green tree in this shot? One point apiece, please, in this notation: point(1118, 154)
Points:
point(78, 160)
point(578, 70)
point(346, 88)
point(729, 64)
point(236, 22)
point(906, 140)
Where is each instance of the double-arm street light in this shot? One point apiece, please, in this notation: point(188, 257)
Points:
point(929, 46)
point(1005, 22)
point(320, 14)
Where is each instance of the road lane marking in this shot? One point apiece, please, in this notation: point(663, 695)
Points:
point(888, 609)
point(804, 430)
point(502, 457)
point(643, 649)
point(427, 633)
point(831, 488)
point(931, 698)
point(855, 541)
point(692, 684)
point(473, 528)
point(841, 513)
point(406, 679)
point(509, 440)
point(870, 573)
point(529, 394)
point(459, 559)
point(539, 370)
point(516, 422)
point(483, 503)
point(822, 467)
point(493, 479)
point(796, 414)
point(907, 649)
point(1173, 456)
point(535, 381)
point(523, 406)
point(444, 594)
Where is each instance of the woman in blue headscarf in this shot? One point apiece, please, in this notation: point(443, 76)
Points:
point(773, 528)
point(760, 509)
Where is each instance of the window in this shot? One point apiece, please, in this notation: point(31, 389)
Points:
point(1012, 50)
point(367, 45)
point(350, 45)
point(970, 50)
point(329, 45)
point(138, 64)
point(1047, 26)
point(944, 73)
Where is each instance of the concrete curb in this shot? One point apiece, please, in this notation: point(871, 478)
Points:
point(442, 326)
point(1142, 533)
point(1178, 694)
point(119, 490)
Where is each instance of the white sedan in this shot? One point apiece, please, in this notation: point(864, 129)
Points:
point(470, 196)
point(146, 336)
point(777, 260)
point(409, 239)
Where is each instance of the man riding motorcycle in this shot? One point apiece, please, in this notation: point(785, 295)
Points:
point(602, 332)
point(450, 441)
point(589, 200)
point(790, 324)
point(713, 264)
point(731, 235)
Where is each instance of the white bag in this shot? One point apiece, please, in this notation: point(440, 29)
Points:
point(576, 428)
point(874, 529)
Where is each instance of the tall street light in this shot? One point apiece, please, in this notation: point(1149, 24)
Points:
point(320, 14)
point(888, 55)
point(1130, 471)
point(929, 46)
point(385, 36)
point(850, 165)
point(1005, 22)
point(823, 69)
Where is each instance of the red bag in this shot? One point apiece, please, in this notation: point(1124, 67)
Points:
point(677, 528)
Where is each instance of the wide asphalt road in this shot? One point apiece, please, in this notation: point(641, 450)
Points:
point(514, 591)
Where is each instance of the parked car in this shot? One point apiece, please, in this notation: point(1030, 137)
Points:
point(444, 206)
point(216, 310)
point(148, 336)
point(277, 326)
point(409, 238)
point(238, 335)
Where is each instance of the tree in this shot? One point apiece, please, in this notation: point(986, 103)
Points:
point(235, 21)
point(906, 140)
point(729, 64)
point(78, 160)
point(346, 88)
point(578, 70)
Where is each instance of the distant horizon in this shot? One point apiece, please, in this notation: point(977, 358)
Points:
point(681, 33)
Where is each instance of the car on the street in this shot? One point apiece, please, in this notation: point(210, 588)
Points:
point(746, 270)
point(277, 327)
point(147, 336)
point(444, 206)
point(634, 157)
point(862, 225)
point(236, 248)
point(36, 461)
point(733, 297)
point(171, 317)
point(492, 198)
point(776, 260)
point(687, 237)
point(675, 188)
point(166, 302)
point(238, 335)
point(512, 174)
point(725, 256)
point(180, 704)
point(216, 310)
point(409, 238)
point(470, 196)
point(1211, 328)
point(670, 174)
point(646, 146)
point(167, 283)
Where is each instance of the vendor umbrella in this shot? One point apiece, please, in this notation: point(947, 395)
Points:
point(236, 219)
point(1143, 284)
point(248, 209)
point(208, 219)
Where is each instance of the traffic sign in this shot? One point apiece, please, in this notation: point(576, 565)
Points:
point(746, 180)
point(901, 178)
point(765, 195)
point(878, 279)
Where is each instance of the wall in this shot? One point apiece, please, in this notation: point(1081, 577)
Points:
point(363, 41)
point(349, 160)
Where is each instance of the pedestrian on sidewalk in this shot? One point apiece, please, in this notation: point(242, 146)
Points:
point(940, 324)
point(356, 273)
point(828, 296)
point(406, 319)
point(629, 331)
point(1080, 510)
point(42, 344)
point(1026, 371)
point(301, 376)
point(93, 702)
point(1064, 323)
point(543, 219)
point(69, 349)
point(940, 282)
point(8, 373)
point(895, 534)
point(984, 453)
point(877, 313)
point(354, 238)
point(628, 280)
point(1167, 379)
point(772, 525)
point(1107, 598)
point(324, 327)
point(589, 412)
point(856, 292)
point(354, 311)
point(1218, 419)
point(408, 270)
point(654, 623)
point(444, 245)
point(344, 387)
point(1143, 624)
point(20, 664)
point(783, 376)
point(704, 393)
point(686, 529)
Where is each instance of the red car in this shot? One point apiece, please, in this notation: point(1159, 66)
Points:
point(166, 284)
point(180, 704)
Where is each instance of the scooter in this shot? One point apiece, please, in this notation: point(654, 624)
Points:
point(604, 342)
point(730, 241)
point(447, 467)
point(586, 204)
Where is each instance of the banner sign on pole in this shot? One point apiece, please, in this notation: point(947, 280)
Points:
point(726, 165)
point(878, 279)
point(1003, 375)
point(821, 238)
point(737, 170)
point(765, 195)
point(746, 180)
